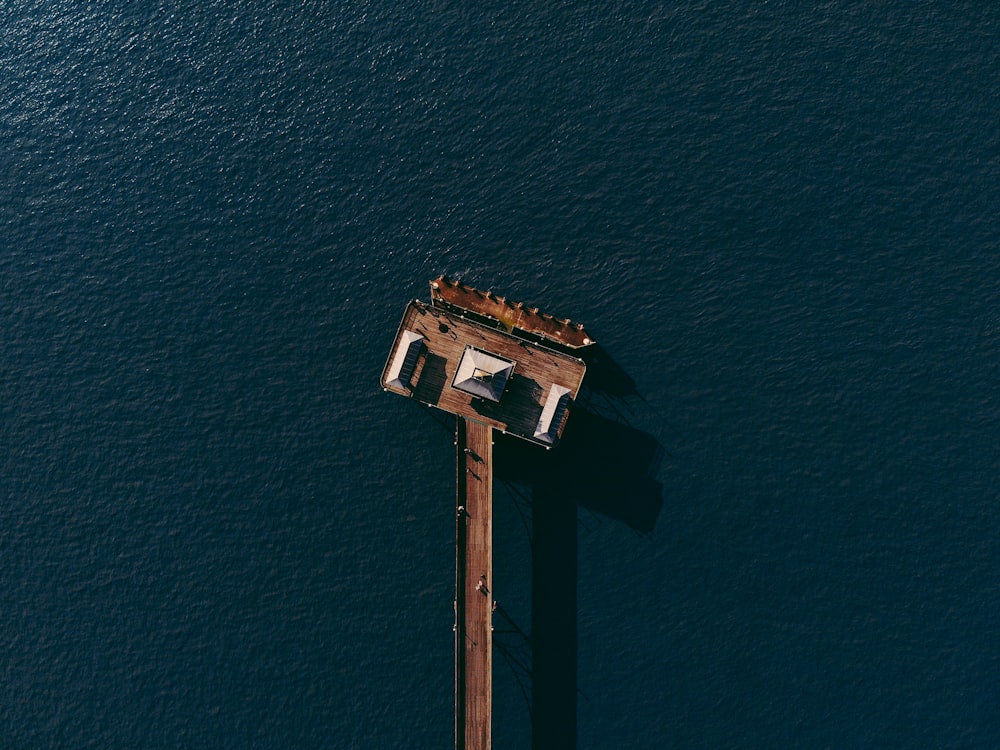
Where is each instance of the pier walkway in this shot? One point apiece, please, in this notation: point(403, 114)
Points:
point(473, 585)
point(498, 366)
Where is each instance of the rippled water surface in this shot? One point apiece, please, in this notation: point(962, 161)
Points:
point(781, 223)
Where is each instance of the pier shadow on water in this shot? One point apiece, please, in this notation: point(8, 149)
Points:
point(603, 465)
point(606, 376)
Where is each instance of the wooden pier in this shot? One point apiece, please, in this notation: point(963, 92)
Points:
point(440, 338)
point(473, 585)
point(495, 365)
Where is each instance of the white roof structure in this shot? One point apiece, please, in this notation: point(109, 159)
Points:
point(405, 359)
point(552, 413)
point(482, 374)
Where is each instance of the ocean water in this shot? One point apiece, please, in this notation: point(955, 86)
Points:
point(779, 220)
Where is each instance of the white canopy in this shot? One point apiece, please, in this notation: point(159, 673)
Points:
point(552, 412)
point(482, 374)
point(405, 359)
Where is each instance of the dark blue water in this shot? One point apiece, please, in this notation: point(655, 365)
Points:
point(781, 222)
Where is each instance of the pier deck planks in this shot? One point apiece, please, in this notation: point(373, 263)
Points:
point(446, 333)
point(446, 336)
point(474, 586)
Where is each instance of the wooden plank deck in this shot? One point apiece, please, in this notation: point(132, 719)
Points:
point(474, 586)
point(446, 335)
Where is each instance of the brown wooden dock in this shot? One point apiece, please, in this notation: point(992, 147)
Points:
point(445, 336)
point(473, 586)
point(495, 365)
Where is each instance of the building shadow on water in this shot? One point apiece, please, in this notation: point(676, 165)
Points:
point(606, 376)
point(605, 466)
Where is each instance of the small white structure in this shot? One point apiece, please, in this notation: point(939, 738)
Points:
point(552, 414)
point(405, 360)
point(482, 374)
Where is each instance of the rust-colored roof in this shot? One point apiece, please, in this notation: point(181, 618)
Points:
point(514, 316)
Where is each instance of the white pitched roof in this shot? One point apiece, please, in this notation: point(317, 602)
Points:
point(482, 374)
point(555, 405)
point(404, 360)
